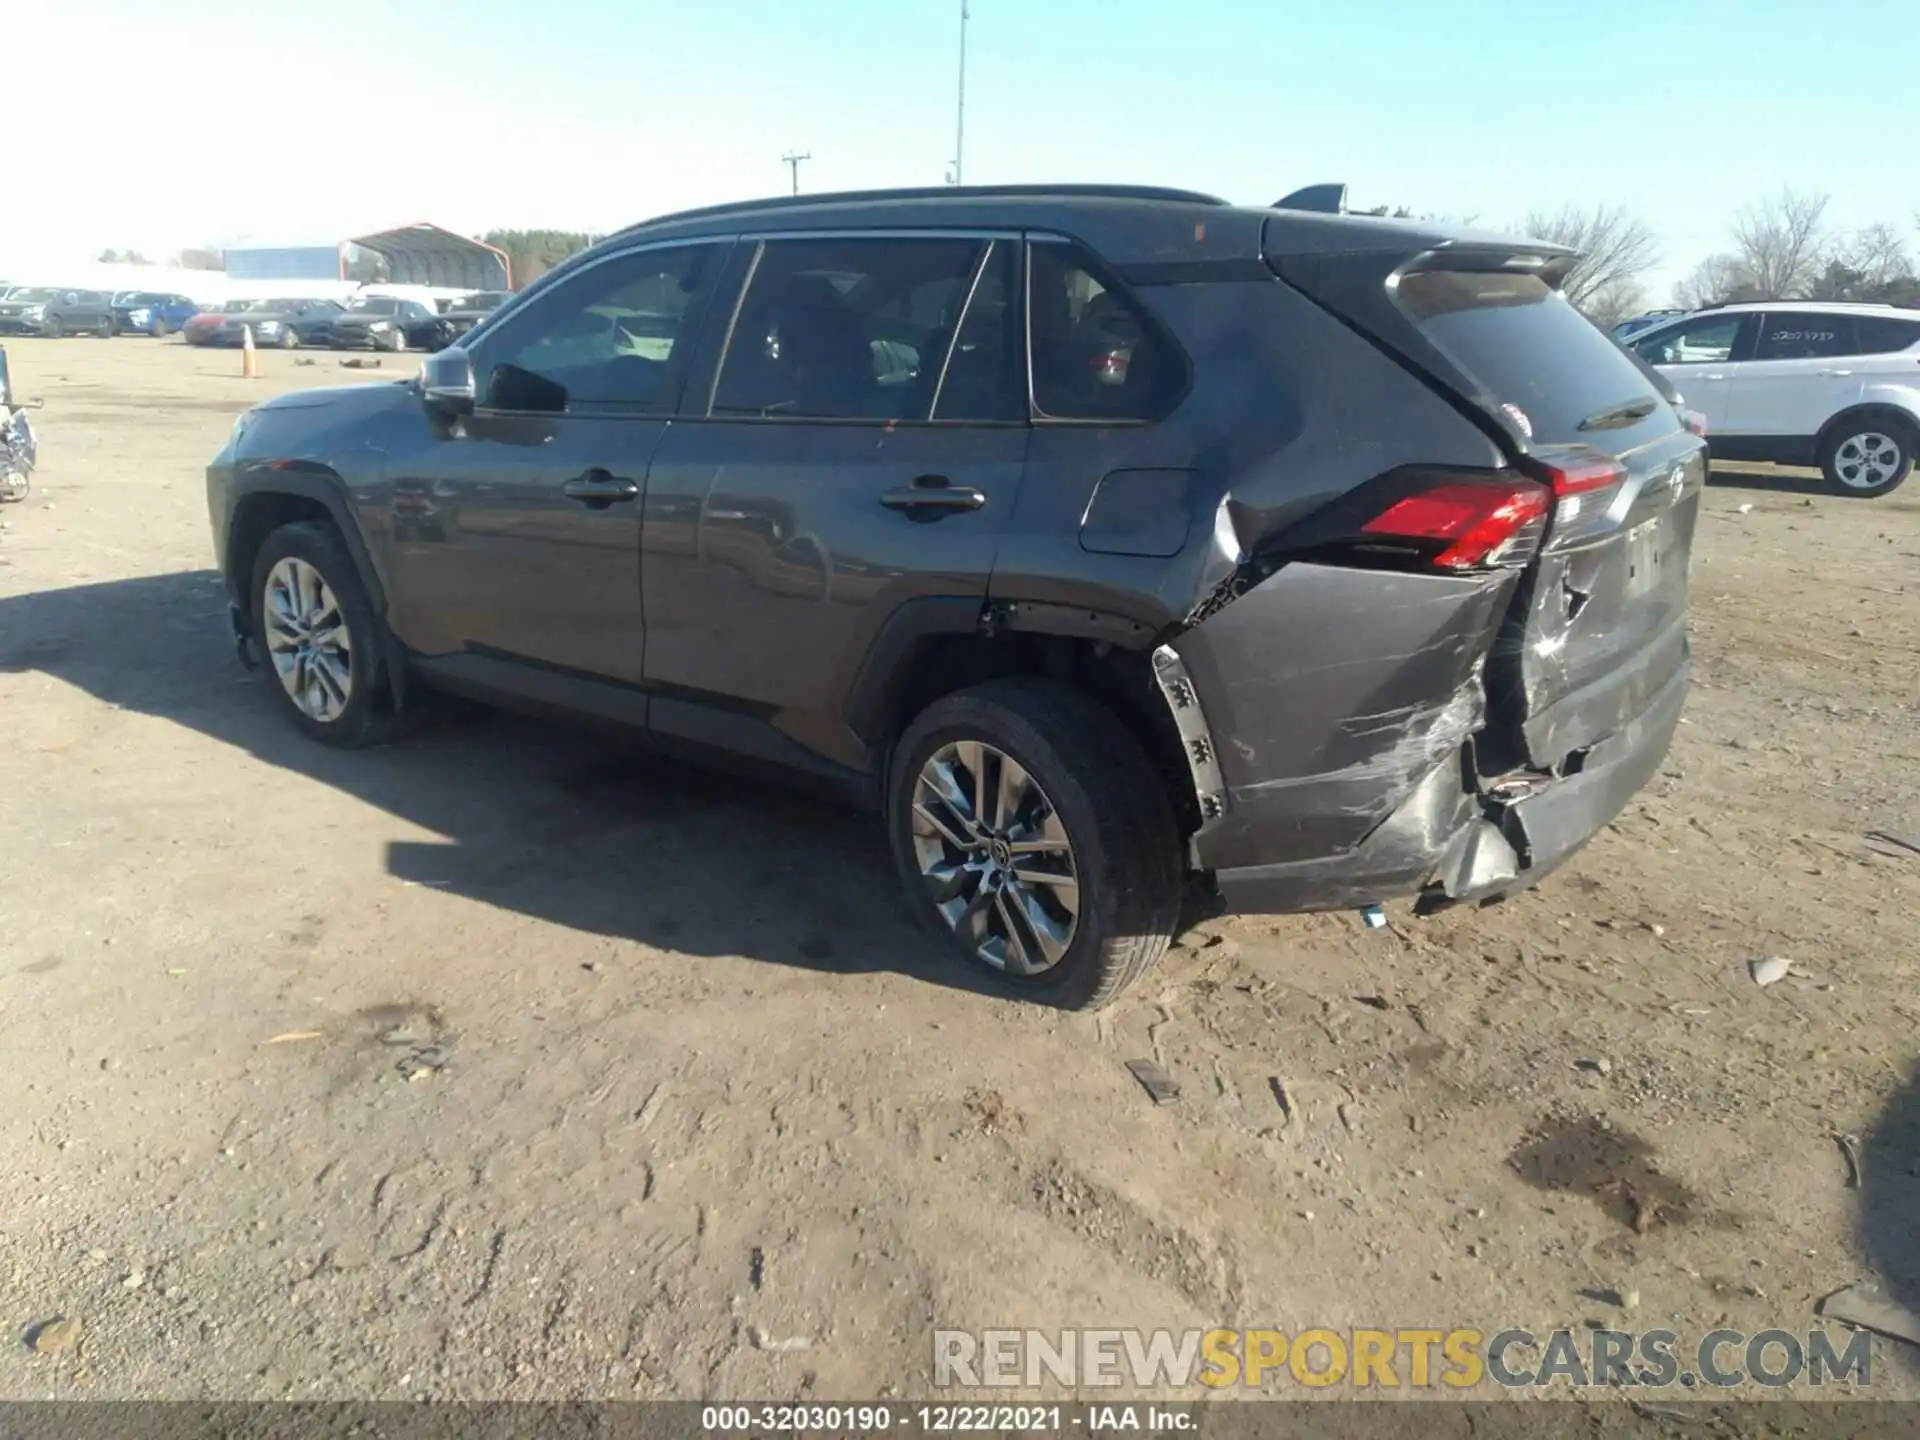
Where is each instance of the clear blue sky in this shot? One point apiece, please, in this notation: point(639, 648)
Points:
point(286, 118)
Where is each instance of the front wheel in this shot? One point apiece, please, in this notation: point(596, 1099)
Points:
point(160, 329)
point(319, 636)
point(106, 329)
point(54, 329)
point(1035, 838)
point(1868, 457)
point(289, 338)
point(14, 486)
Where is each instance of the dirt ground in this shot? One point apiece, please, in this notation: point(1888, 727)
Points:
point(695, 1111)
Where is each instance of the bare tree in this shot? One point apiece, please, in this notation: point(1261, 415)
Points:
point(1716, 280)
point(1779, 242)
point(1615, 250)
point(1622, 300)
point(1877, 254)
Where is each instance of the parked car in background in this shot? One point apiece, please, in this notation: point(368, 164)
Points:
point(463, 314)
point(1006, 535)
point(1801, 382)
point(201, 329)
point(282, 323)
point(151, 312)
point(53, 312)
point(386, 322)
point(1638, 323)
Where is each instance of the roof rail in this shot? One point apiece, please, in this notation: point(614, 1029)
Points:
point(1329, 199)
point(937, 192)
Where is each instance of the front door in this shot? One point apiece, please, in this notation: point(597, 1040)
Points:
point(862, 448)
point(1801, 375)
point(516, 532)
point(1700, 357)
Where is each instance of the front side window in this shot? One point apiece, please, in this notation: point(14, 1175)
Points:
point(1699, 342)
point(1804, 335)
point(846, 329)
point(607, 336)
point(1095, 354)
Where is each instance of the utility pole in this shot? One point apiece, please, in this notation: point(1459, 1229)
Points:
point(792, 161)
point(960, 128)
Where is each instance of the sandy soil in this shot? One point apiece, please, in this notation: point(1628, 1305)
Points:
point(693, 1092)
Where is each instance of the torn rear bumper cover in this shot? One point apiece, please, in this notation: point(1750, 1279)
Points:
point(1477, 857)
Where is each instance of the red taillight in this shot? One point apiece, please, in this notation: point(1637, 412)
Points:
point(1577, 469)
point(1475, 524)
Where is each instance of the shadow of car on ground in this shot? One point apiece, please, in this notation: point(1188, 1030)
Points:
point(569, 826)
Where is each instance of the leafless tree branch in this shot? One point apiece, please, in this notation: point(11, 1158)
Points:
point(1779, 241)
point(1615, 249)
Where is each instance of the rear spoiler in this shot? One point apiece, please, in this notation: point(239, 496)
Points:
point(1321, 199)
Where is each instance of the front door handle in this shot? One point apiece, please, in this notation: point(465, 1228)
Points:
point(1713, 377)
point(931, 496)
point(1836, 374)
point(599, 488)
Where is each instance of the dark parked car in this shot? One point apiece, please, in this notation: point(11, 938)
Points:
point(1111, 542)
point(53, 312)
point(383, 322)
point(151, 312)
point(282, 323)
point(469, 310)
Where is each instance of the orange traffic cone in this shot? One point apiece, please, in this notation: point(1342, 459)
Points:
point(247, 370)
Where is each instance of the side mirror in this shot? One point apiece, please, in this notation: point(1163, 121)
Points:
point(446, 382)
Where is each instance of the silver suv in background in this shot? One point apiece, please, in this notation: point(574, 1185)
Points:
point(1801, 382)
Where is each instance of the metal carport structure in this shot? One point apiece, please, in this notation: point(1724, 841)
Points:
point(423, 254)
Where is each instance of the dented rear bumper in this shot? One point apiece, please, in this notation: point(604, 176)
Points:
point(1340, 710)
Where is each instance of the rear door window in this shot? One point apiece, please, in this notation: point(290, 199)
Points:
point(1804, 335)
point(1884, 335)
point(847, 329)
point(1528, 348)
point(1096, 354)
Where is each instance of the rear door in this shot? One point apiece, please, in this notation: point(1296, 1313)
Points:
point(1802, 374)
point(861, 447)
point(1889, 349)
point(1700, 356)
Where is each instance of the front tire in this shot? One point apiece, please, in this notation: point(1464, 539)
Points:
point(289, 339)
point(1869, 456)
point(106, 329)
point(319, 638)
point(1035, 838)
point(54, 330)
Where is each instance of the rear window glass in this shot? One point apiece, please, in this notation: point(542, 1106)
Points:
point(1527, 347)
point(1878, 335)
point(1096, 356)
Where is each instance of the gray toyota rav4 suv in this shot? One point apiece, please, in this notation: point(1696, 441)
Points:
point(1123, 547)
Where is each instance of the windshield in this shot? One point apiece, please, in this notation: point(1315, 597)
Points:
point(34, 294)
point(374, 305)
point(481, 300)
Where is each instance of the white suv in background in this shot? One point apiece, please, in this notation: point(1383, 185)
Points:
point(1801, 382)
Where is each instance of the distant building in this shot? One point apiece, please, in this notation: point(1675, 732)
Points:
point(411, 255)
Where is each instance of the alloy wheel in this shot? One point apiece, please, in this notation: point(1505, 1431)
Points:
point(995, 857)
point(308, 640)
point(1868, 460)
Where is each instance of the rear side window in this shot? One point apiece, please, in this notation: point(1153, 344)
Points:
point(1804, 336)
point(1882, 335)
point(1527, 347)
point(1096, 354)
point(846, 329)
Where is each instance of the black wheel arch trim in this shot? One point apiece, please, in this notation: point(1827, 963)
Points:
point(1854, 414)
point(318, 483)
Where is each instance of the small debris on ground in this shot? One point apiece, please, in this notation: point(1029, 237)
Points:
point(1157, 1083)
point(1905, 842)
point(289, 1037)
point(56, 1337)
point(424, 1063)
point(1373, 917)
point(1866, 1307)
point(1769, 971)
point(1281, 1097)
point(1850, 1148)
point(763, 1341)
point(1374, 1002)
point(1598, 1066)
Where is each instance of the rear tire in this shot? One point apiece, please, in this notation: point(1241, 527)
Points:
point(343, 703)
point(160, 330)
point(1092, 786)
point(54, 330)
point(289, 339)
point(1869, 456)
point(106, 329)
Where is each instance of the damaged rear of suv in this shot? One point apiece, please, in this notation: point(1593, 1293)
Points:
point(1114, 543)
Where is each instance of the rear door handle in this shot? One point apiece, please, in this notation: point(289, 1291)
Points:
point(599, 488)
point(1835, 374)
point(932, 496)
point(1713, 377)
